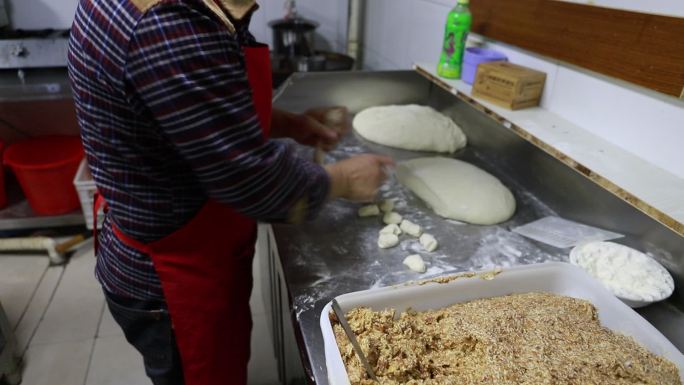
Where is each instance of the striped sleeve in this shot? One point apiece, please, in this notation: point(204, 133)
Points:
point(186, 71)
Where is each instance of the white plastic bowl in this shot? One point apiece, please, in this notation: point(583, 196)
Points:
point(632, 298)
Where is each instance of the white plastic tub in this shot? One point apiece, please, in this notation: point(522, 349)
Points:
point(553, 277)
point(85, 187)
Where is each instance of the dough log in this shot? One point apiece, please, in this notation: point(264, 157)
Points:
point(415, 262)
point(411, 228)
point(458, 190)
point(411, 127)
point(392, 218)
point(428, 242)
point(369, 211)
point(385, 241)
point(391, 229)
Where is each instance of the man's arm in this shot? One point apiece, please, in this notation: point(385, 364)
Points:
point(185, 70)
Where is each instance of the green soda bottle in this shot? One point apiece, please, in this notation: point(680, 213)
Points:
point(455, 34)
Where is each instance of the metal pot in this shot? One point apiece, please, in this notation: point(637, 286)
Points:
point(293, 37)
point(310, 63)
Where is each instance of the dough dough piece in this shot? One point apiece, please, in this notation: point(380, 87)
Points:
point(411, 127)
point(411, 228)
point(392, 218)
point(385, 241)
point(391, 229)
point(415, 263)
point(428, 242)
point(369, 211)
point(458, 190)
point(387, 205)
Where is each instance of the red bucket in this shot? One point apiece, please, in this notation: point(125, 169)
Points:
point(3, 194)
point(45, 168)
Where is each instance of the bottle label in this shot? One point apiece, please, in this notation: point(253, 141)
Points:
point(454, 43)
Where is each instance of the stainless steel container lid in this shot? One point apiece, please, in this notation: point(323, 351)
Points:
point(297, 24)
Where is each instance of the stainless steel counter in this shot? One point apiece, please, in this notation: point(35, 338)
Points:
point(337, 253)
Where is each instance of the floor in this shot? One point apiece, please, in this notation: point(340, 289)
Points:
point(67, 335)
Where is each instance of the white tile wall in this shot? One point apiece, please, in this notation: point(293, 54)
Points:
point(373, 61)
point(426, 30)
point(342, 14)
point(41, 14)
point(386, 35)
point(644, 125)
point(332, 18)
point(259, 25)
point(402, 32)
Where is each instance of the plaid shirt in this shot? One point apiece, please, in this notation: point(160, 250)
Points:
point(167, 122)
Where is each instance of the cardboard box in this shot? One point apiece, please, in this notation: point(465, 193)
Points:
point(509, 85)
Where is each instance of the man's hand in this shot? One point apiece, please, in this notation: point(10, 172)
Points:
point(336, 118)
point(312, 132)
point(358, 178)
point(322, 127)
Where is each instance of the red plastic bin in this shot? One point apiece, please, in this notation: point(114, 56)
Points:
point(45, 167)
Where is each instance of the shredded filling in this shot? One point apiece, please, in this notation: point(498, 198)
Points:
point(533, 338)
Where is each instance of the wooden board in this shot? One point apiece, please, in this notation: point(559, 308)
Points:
point(643, 49)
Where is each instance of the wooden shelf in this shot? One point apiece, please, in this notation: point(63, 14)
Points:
point(644, 49)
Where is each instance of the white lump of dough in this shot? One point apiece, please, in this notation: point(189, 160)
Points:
point(369, 211)
point(411, 228)
point(458, 190)
point(428, 242)
point(411, 127)
point(415, 262)
point(387, 205)
point(385, 241)
point(391, 229)
point(392, 218)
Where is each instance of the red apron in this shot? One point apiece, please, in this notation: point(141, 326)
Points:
point(205, 269)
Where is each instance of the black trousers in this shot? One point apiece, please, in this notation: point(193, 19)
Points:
point(147, 326)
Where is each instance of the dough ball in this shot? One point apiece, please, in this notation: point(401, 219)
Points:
point(369, 211)
point(415, 262)
point(411, 228)
point(392, 218)
point(385, 241)
point(411, 127)
point(387, 205)
point(391, 229)
point(428, 242)
point(458, 190)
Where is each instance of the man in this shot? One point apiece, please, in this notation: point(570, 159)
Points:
point(173, 100)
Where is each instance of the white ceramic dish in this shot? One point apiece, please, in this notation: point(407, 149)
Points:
point(631, 299)
point(553, 277)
